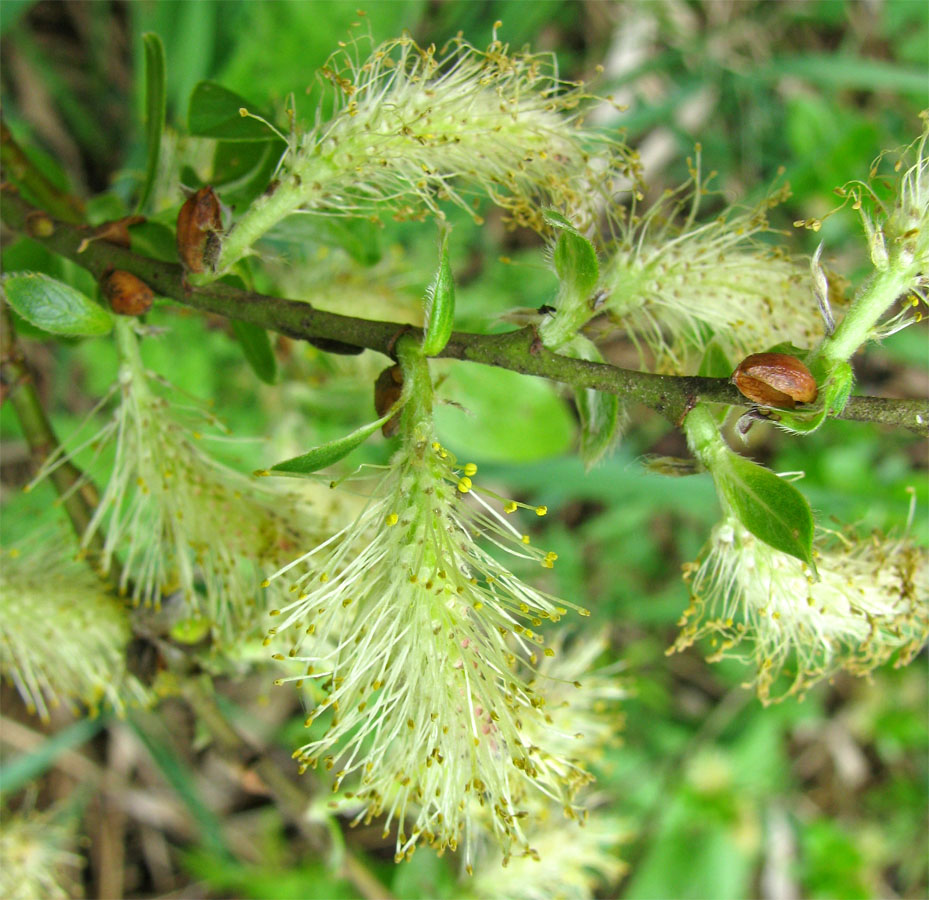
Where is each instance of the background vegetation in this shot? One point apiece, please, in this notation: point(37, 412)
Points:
point(718, 796)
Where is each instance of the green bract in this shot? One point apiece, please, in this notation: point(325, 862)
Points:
point(440, 306)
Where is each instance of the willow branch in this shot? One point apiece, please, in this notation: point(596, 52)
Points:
point(521, 351)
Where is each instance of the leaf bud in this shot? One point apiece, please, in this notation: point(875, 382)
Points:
point(775, 379)
point(199, 225)
point(126, 294)
point(387, 391)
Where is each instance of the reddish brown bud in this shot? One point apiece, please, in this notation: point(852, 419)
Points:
point(387, 391)
point(775, 379)
point(126, 294)
point(199, 224)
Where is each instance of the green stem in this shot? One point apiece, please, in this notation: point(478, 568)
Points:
point(257, 220)
point(858, 325)
point(703, 435)
point(416, 423)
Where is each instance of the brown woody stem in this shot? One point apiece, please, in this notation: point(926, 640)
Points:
point(520, 351)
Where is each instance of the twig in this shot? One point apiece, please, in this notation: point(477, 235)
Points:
point(519, 351)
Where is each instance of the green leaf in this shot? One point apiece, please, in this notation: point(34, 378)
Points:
point(54, 306)
point(177, 773)
point(256, 345)
point(575, 258)
point(155, 240)
point(20, 770)
point(440, 305)
point(848, 71)
point(243, 169)
point(599, 411)
point(715, 363)
point(214, 112)
point(155, 101)
point(327, 454)
point(771, 508)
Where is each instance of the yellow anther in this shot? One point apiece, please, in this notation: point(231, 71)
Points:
point(470, 469)
point(392, 519)
point(266, 582)
point(274, 612)
point(525, 538)
point(541, 510)
point(464, 485)
point(510, 506)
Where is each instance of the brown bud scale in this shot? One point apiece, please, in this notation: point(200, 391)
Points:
point(199, 224)
point(775, 379)
point(126, 294)
point(387, 391)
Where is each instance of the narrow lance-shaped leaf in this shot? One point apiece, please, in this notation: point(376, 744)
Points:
point(256, 346)
point(54, 306)
point(155, 99)
point(327, 454)
point(440, 305)
point(599, 411)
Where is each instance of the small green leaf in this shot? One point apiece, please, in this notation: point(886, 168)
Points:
point(576, 262)
point(155, 99)
point(54, 306)
point(715, 363)
point(599, 413)
point(557, 220)
point(327, 454)
point(771, 508)
point(440, 305)
point(256, 345)
point(214, 112)
point(575, 258)
point(154, 239)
